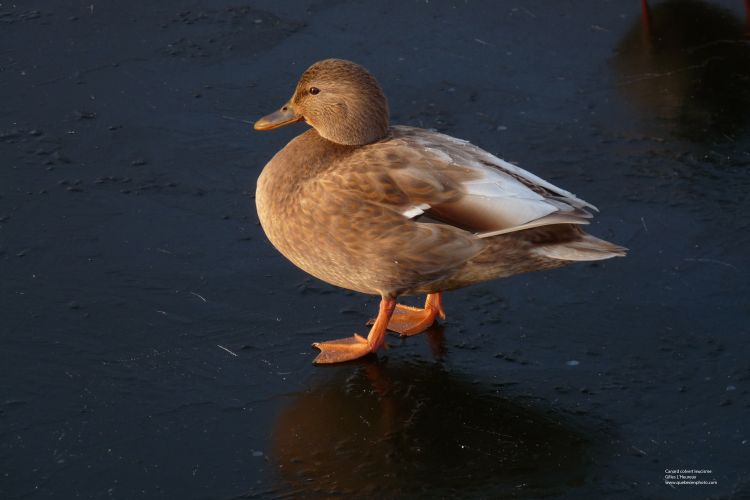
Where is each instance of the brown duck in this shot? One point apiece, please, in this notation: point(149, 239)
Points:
point(394, 210)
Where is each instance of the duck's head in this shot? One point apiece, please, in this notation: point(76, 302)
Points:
point(341, 100)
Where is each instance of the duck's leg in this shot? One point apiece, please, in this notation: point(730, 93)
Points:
point(645, 18)
point(356, 346)
point(407, 320)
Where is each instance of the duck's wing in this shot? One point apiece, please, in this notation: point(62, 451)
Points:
point(358, 208)
point(431, 176)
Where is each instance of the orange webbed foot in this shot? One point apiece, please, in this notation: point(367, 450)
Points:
point(340, 350)
point(356, 346)
point(407, 320)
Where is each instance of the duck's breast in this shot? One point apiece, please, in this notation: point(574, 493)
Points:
point(300, 217)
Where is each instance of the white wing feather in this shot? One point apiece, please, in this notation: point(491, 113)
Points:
point(501, 196)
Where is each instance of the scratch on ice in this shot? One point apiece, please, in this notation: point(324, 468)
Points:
point(230, 352)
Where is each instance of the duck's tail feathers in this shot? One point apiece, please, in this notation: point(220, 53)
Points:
point(586, 248)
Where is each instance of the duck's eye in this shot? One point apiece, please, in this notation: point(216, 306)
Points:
point(314, 90)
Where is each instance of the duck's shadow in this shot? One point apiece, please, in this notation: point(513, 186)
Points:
point(404, 428)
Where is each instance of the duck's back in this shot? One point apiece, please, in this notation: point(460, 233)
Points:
point(416, 211)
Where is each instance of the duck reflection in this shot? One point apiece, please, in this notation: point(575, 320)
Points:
point(688, 62)
point(417, 429)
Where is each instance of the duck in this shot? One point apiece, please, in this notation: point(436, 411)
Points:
point(393, 210)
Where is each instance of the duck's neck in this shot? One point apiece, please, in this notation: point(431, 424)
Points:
point(355, 122)
point(355, 132)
